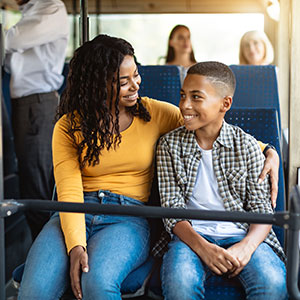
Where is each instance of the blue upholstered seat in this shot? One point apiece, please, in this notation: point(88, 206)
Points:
point(160, 82)
point(256, 87)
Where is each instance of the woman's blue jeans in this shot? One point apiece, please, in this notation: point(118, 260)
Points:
point(116, 245)
point(183, 273)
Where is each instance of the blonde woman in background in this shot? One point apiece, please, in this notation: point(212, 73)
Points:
point(255, 49)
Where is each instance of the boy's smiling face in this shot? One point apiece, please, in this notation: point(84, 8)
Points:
point(201, 104)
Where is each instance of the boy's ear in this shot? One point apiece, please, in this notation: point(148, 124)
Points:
point(227, 101)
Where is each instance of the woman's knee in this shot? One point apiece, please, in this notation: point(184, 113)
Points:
point(100, 286)
point(46, 272)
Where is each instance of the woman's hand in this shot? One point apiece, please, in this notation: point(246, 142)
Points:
point(78, 264)
point(271, 167)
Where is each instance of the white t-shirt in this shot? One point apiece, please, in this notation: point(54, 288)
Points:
point(207, 197)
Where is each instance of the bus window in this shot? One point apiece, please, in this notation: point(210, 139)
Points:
point(214, 36)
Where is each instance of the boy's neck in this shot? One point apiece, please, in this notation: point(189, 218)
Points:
point(206, 136)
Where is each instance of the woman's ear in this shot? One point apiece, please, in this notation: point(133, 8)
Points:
point(227, 102)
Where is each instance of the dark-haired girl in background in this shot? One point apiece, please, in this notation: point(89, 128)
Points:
point(103, 150)
point(180, 51)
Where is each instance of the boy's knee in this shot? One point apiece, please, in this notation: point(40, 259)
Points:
point(275, 283)
point(271, 284)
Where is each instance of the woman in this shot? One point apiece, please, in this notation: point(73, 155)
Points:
point(256, 49)
point(103, 150)
point(180, 51)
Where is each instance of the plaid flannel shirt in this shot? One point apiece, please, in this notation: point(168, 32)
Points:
point(237, 163)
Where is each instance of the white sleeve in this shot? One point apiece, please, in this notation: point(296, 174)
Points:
point(46, 25)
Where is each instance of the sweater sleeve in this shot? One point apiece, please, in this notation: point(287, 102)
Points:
point(262, 146)
point(69, 184)
point(167, 115)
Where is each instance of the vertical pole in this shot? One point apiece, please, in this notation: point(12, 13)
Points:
point(98, 10)
point(2, 231)
point(75, 35)
point(84, 21)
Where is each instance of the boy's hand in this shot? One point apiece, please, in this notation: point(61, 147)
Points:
point(271, 167)
point(218, 259)
point(242, 252)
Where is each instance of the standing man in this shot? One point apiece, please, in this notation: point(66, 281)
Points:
point(35, 53)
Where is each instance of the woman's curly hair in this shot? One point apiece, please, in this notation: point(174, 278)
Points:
point(94, 71)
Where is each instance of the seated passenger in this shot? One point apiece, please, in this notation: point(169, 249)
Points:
point(180, 51)
point(256, 49)
point(211, 165)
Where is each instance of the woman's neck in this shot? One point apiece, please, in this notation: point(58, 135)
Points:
point(182, 60)
point(125, 119)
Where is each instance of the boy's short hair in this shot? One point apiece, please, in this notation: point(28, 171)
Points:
point(218, 73)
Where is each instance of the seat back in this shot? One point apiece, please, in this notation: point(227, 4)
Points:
point(263, 124)
point(160, 82)
point(256, 86)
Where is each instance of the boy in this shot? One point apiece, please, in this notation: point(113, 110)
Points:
point(209, 164)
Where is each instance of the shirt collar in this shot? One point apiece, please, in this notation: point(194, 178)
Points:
point(225, 138)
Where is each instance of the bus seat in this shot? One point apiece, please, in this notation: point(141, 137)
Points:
point(160, 82)
point(256, 86)
point(263, 124)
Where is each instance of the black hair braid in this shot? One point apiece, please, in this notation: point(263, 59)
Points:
point(88, 98)
point(140, 111)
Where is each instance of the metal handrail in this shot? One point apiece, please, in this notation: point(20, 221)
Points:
point(10, 207)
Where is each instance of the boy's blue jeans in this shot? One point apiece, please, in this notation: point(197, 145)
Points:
point(183, 273)
point(116, 245)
